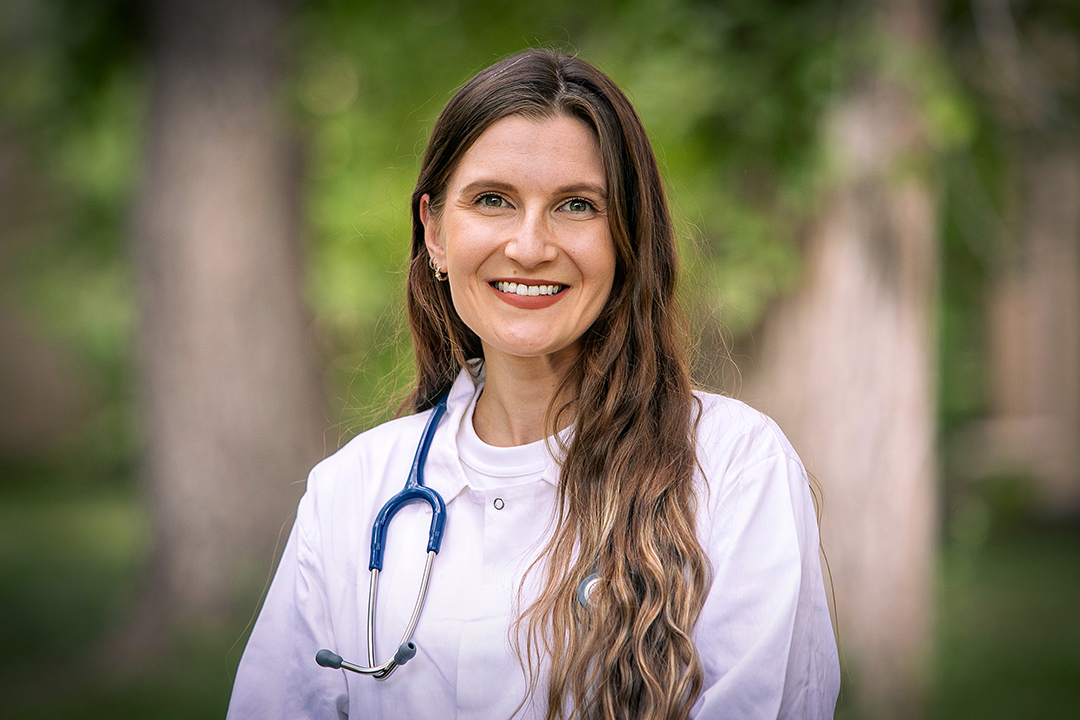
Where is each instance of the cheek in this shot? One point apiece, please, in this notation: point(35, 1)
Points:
point(463, 263)
point(600, 262)
point(465, 246)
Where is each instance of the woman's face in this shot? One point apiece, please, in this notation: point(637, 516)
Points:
point(523, 236)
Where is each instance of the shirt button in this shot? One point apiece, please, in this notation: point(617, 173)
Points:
point(499, 504)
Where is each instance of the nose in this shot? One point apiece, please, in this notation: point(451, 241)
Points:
point(532, 242)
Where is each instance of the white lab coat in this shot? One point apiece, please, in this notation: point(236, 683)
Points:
point(764, 634)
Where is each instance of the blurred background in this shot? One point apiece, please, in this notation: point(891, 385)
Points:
point(203, 235)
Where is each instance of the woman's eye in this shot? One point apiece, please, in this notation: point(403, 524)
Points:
point(578, 205)
point(492, 201)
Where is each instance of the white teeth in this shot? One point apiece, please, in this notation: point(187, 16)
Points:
point(523, 289)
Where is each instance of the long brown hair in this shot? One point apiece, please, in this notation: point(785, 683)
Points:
point(626, 502)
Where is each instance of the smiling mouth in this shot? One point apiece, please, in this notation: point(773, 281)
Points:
point(513, 288)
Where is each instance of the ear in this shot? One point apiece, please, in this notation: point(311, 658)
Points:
point(431, 231)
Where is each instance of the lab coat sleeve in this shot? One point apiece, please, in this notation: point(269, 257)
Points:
point(765, 635)
point(278, 677)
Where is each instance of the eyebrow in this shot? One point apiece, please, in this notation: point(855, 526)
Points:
point(572, 189)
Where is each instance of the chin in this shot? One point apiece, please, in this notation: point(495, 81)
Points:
point(526, 351)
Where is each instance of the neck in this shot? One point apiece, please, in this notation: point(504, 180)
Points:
point(516, 397)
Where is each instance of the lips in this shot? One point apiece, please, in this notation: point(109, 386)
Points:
point(533, 295)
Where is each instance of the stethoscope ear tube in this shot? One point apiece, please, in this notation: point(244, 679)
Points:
point(386, 514)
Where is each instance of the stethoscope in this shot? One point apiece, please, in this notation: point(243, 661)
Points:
point(414, 490)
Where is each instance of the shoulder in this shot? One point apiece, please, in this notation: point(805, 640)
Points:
point(747, 468)
point(764, 634)
point(732, 436)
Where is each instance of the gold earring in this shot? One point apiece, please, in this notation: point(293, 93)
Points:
point(440, 274)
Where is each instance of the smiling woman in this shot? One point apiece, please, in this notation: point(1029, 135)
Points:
point(524, 239)
point(617, 545)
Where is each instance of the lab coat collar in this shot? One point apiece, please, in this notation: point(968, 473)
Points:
point(444, 473)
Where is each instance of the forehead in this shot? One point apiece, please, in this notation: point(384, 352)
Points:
point(559, 149)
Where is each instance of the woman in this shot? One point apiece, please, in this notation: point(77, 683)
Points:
point(616, 545)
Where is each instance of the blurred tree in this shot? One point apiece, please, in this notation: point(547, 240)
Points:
point(70, 107)
point(43, 394)
point(1022, 61)
point(846, 364)
point(233, 412)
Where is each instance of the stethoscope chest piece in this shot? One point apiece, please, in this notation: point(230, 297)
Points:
point(585, 589)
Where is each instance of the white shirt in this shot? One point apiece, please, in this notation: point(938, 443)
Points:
point(764, 635)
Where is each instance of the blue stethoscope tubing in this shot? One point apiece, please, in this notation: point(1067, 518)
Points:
point(414, 491)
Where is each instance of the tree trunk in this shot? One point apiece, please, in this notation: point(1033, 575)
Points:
point(1030, 66)
point(846, 366)
point(232, 411)
point(1035, 340)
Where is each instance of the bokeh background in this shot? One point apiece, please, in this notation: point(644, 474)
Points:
point(203, 235)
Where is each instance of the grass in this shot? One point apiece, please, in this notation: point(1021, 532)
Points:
point(1008, 622)
point(69, 570)
point(66, 567)
point(192, 681)
point(1009, 628)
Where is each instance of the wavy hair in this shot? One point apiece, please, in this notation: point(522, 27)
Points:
point(625, 501)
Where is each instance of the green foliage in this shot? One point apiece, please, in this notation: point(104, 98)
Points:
point(732, 93)
point(982, 181)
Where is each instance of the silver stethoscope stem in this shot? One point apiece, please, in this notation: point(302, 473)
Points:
point(381, 672)
point(419, 598)
point(373, 593)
